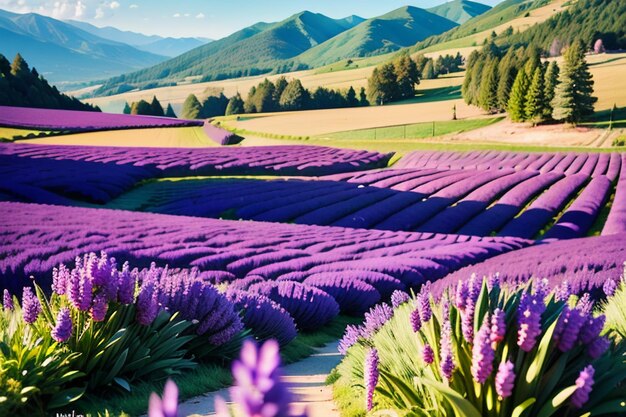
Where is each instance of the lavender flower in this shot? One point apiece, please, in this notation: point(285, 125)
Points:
point(467, 322)
point(371, 377)
point(350, 337)
point(585, 304)
point(166, 406)
point(428, 355)
point(126, 282)
point(147, 303)
point(584, 384)
point(529, 313)
point(7, 301)
point(447, 361)
point(85, 288)
point(568, 328)
point(62, 331)
point(99, 308)
point(498, 326)
point(505, 379)
point(376, 318)
point(462, 294)
point(258, 388)
point(591, 329)
point(426, 311)
point(563, 291)
point(398, 298)
point(60, 278)
point(30, 306)
point(609, 287)
point(482, 353)
point(416, 321)
point(598, 346)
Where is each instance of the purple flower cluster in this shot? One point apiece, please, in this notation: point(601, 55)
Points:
point(7, 301)
point(498, 326)
point(446, 359)
point(370, 373)
point(505, 379)
point(584, 385)
point(62, 330)
point(31, 308)
point(258, 389)
point(166, 406)
point(483, 353)
point(428, 355)
point(529, 313)
point(398, 298)
point(375, 318)
point(467, 293)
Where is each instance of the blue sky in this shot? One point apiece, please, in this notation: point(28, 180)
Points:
point(207, 18)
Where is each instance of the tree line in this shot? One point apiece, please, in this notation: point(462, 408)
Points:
point(268, 96)
point(398, 79)
point(24, 87)
point(154, 108)
point(519, 83)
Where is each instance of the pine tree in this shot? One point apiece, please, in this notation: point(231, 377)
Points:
point(382, 86)
point(126, 108)
point(351, 98)
point(279, 88)
point(467, 81)
point(19, 67)
point(235, 105)
point(157, 109)
point(191, 107)
point(141, 107)
point(363, 101)
point(573, 97)
point(476, 79)
point(551, 80)
point(170, 111)
point(516, 105)
point(429, 70)
point(488, 97)
point(507, 69)
point(534, 101)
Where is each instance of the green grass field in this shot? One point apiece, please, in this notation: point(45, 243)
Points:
point(413, 131)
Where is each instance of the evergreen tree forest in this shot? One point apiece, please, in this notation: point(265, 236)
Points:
point(22, 86)
point(530, 90)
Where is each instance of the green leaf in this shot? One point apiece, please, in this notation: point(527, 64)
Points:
point(66, 397)
point(521, 409)
point(122, 383)
point(403, 389)
point(462, 407)
point(550, 407)
point(617, 407)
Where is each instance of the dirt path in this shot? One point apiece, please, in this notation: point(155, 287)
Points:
point(305, 379)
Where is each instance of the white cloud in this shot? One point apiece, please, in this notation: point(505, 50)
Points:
point(133, 6)
point(187, 14)
point(114, 5)
point(64, 9)
point(200, 16)
point(176, 15)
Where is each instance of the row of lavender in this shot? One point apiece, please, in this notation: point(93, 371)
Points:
point(511, 203)
point(592, 164)
point(58, 174)
point(358, 268)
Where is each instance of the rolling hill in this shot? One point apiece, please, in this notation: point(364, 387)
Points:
point(387, 33)
point(155, 44)
point(63, 52)
point(459, 11)
point(257, 49)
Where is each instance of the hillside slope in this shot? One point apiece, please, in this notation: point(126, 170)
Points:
point(254, 50)
point(459, 11)
point(387, 33)
point(63, 52)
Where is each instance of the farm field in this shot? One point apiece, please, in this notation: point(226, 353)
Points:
point(422, 258)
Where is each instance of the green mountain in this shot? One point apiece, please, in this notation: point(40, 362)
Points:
point(63, 52)
point(387, 33)
point(459, 11)
point(258, 49)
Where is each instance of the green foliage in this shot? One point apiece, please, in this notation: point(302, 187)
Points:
point(157, 109)
point(534, 106)
point(35, 372)
point(407, 76)
point(488, 96)
point(294, 96)
point(615, 312)
point(517, 101)
point(573, 97)
point(235, 105)
point(21, 86)
point(141, 107)
point(191, 107)
point(550, 83)
point(126, 108)
point(507, 70)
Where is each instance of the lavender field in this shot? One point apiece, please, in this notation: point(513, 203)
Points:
point(280, 241)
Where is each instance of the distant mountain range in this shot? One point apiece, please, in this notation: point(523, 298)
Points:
point(78, 51)
point(63, 52)
point(158, 45)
